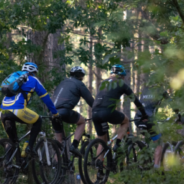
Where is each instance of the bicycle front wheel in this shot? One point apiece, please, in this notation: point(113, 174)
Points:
point(81, 161)
point(9, 170)
point(95, 153)
point(48, 164)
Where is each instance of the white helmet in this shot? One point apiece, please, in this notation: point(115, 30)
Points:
point(77, 69)
point(30, 67)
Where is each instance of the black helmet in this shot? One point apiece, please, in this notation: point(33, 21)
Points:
point(77, 72)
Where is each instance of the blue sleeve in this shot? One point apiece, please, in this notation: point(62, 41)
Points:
point(46, 99)
point(42, 93)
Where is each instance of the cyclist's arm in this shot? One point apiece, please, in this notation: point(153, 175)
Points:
point(85, 93)
point(42, 93)
point(133, 97)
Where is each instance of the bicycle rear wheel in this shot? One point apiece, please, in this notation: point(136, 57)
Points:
point(90, 162)
point(167, 155)
point(179, 153)
point(42, 170)
point(9, 172)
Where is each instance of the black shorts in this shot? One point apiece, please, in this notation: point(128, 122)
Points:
point(104, 115)
point(7, 115)
point(68, 116)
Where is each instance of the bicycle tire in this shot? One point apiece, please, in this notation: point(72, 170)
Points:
point(131, 154)
point(166, 146)
point(178, 151)
point(178, 146)
point(90, 151)
point(63, 165)
point(81, 162)
point(14, 171)
point(42, 164)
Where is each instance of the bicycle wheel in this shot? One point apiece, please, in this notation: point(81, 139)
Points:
point(90, 162)
point(42, 170)
point(167, 155)
point(9, 172)
point(63, 165)
point(81, 161)
point(179, 153)
point(133, 153)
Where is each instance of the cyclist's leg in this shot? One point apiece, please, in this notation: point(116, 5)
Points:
point(123, 128)
point(71, 117)
point(156, 139)
point(119, 118)
point(158, 150)
point(58, 130)
point(29, 117)
point(9, 125)
point(80, 128)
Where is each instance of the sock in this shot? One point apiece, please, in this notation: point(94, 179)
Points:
point(75, 143)
point(118, 141)
point(156, 166)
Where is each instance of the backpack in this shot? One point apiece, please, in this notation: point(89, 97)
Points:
point(11, 85)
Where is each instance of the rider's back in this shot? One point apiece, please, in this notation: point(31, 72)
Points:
point(68, 93)
point(18, 101)
point(151, 99)
point(108, 98)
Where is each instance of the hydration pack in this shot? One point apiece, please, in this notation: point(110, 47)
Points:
point(11, 85)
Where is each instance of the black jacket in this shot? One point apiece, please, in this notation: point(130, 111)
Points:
point(108, 98)
point(68, 93)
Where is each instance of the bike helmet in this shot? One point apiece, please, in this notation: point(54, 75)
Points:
point(77, 72)
point(118, 69)
point(30, 67)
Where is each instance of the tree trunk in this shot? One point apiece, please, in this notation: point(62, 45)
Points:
point(90, 81)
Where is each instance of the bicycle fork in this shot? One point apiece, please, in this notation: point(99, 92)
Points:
point(43, 136)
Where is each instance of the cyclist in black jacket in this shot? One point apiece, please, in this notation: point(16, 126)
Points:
point(65, 98)
point(151, 98)
point(103, 107)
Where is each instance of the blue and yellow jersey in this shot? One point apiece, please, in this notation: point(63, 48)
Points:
point(19, 102)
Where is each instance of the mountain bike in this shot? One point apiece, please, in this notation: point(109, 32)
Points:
point(67, 160)
point(109, 162)
point(11, 162)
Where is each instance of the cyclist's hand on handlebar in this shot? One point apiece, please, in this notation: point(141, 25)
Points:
point(144, 118)
point(56, 117)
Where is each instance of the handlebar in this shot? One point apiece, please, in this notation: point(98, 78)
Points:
point(88, 119)
point(46, 116)
point(130, 120)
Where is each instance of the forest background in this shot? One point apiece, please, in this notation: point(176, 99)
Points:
point(144, 36)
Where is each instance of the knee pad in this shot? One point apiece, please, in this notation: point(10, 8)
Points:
point(58, 127)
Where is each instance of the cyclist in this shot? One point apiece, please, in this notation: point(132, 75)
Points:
point(65, 98)
point(102, 110)
point(151, 97)
point(16, 107)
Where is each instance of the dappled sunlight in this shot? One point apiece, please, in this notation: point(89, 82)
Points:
point(172, 160)
point(177, 82)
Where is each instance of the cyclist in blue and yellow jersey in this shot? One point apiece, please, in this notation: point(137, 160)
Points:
point(17, 111)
